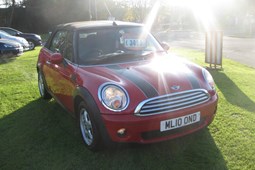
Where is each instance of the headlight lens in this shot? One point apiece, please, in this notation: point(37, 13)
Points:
point(209, 79)
point(113, 97)
point(38, 37)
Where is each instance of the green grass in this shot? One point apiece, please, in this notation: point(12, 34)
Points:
point(36, 134)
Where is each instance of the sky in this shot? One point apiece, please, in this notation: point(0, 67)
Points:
point(2, 2)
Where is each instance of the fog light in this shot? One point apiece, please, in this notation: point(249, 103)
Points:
point(121, 132)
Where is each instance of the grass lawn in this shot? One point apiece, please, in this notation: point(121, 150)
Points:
point(36, 134)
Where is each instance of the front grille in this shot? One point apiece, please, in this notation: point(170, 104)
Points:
point(172, 102)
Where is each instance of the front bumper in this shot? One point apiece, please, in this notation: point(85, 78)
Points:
point(26, 47)
point(19, 51)
point(38, 43)
point(146, 129)
point(16, 51)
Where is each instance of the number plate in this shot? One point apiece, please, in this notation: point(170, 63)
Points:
point(179, 121)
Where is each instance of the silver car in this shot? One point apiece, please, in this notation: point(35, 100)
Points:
point(10, 48)
point(22, 41)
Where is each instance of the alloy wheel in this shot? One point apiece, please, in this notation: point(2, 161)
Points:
point(31, 45)
point(86, 127)
point(41, 84)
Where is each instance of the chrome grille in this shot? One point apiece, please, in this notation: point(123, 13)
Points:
point(172, 102)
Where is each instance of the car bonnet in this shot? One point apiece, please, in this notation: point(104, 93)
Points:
point(159, 76)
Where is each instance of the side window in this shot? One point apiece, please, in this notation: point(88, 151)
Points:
point(68, 51)
point(87, 41)
point(11, 32)
point(58, 42)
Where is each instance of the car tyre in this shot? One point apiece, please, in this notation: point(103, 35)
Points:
point(88, 128)
point(42, 88)
point(31, 44)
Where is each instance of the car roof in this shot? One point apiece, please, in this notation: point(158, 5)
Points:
point(8, 28)
point(95, 24)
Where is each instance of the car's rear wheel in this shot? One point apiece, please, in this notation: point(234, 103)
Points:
point(42, 88)
point(89, 130)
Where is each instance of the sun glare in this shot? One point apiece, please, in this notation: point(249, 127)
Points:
point(203, 10)
point(152, 15)
point(165, 64)
point(168, 65)
point(204, 14)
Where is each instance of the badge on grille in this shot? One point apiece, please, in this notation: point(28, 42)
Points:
point(175, 87)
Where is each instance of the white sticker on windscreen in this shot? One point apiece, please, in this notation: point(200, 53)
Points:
point(133, 42)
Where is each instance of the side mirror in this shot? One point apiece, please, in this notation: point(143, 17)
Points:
point(56, 58)
point(165, 46)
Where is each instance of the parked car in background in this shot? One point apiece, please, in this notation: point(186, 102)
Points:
point(122, 85)
point(22, 41)
point(8, 47)
point(33, 39)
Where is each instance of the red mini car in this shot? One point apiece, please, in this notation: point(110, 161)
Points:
point(122, 85)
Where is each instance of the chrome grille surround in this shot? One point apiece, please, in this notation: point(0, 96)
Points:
point(172, 102)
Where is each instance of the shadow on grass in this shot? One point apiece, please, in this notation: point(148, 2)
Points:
point(41, 135)
point(231, 91)
point(7, 58)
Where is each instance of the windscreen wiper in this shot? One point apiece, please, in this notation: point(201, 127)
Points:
point(110, 55)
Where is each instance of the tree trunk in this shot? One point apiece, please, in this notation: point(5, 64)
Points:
point(12, 13)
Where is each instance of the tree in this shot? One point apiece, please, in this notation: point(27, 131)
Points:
point(12, 12)
point(9, 16)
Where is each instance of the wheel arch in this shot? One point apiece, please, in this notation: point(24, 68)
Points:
point(82, 94)
point(77, 100)
point(33, 41)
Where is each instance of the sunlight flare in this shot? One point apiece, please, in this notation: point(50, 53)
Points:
point(152, 15)
point(203, 10)
point(165, 64)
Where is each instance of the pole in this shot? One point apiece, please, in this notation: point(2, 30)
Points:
point(96, 9)
point(90, 16)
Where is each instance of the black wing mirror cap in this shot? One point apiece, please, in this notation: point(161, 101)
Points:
point(165, 46)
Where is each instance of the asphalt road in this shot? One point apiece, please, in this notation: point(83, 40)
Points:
point(239, 49)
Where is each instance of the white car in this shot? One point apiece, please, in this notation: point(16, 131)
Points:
point(22, 41)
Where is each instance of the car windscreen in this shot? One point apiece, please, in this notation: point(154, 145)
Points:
point(4, 34)
point(115, 44)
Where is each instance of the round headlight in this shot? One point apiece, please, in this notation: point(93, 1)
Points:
point(209, 79)
point(113, 97)
point(38, 37)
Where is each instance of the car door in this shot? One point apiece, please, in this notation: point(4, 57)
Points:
point(60, 77)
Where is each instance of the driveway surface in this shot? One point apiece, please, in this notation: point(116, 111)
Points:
point(239, 49)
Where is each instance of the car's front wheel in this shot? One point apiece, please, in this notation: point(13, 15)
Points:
point(31, 44)
point(89, 131)
point(42, 88)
